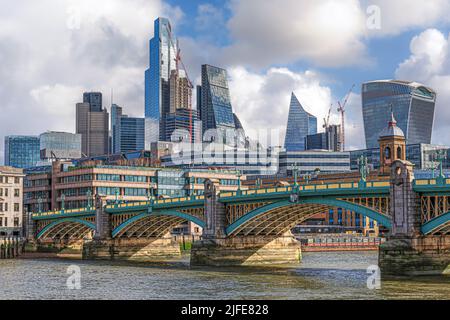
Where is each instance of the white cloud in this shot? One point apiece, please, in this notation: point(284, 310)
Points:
point(52, 51)
point(326, 32)
point(402, 15)
point(261, 100)
point(429, 64)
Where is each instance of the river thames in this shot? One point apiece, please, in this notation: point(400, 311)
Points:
point(334, 275)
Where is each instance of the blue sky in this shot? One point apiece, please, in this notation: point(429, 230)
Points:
point(316, 49)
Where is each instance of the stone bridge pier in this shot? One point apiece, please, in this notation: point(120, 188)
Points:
point(219, 249)
point(408, 252)
point(104, 247)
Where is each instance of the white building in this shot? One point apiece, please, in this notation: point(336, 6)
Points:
point(11, 201)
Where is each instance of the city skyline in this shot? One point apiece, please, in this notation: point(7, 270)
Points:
point(254, 81)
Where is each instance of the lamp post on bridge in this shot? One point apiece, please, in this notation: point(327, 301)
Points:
point(63, 198)
point(150, 199)
point(363, 170)
point(239, 191)
point(89, 199)
point(116, 194)
point(40, 205)
point(441, 156)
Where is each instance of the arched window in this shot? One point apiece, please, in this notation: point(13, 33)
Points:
point(399, 152)
point(387, 153)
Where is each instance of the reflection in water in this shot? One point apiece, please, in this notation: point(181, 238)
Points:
point(334, 275)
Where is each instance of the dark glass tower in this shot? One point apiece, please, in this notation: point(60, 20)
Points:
point(412, 103)
point(300, 125)
point(94, 99)
point(215, 106)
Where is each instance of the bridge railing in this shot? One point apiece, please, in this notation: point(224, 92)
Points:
point(308, 188)
point(431, 182)
point(127, 205)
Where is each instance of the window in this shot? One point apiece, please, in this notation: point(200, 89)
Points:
point(16, 222)
point(399, 153)
point(1, 222)
point(1, 206)
point(16, 207)
point(16, 193)
point(16, 180)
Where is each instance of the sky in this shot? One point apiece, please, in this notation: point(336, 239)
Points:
point(51, 51)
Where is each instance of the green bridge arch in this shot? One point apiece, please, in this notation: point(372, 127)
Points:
point(332, 202)
point(145, 214)
point(436, 223)
point(65, 220)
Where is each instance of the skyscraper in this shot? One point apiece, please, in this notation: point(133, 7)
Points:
point(300, 124)
point(128, 133)
point(163, 54)
point(22, 151)
point(413, 105)
point(329, 140)
point(94, 99)
point(92, 122)
point(186, 120)
point(215, 107)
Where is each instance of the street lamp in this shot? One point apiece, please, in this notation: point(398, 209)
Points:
point(295, 171)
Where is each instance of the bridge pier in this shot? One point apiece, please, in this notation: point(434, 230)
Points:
point(142, 250)
point(407, 252)
point(221, 250)
point(246, 251)
point(104, 247)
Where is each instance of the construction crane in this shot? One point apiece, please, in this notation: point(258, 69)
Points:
point(341, 110)
point(326, 121)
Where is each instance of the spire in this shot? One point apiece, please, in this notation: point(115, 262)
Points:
point(393, 122)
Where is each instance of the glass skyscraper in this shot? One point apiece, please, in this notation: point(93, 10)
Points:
point(300, 125)
point(215, 105)
point(128, 133)
point(163, 51)
point(412, 103)
point(22, 151)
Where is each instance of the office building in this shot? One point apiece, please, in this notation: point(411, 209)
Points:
point(215, 105)
point(329, 140)
point(180, 91)
point(59, 145)
point(94, 99)
point(92, 123)
point(22, 151)
point(11, 201)
point(163, 55)
point(413, 105)
point(183, 125)
point(308, 162)
point(128, 133)
point(300, 124)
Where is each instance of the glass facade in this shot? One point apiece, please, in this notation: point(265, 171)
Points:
point(157, 88)
point(310, 161)
point(423, 156)
point(183, 120)
point(128, 134)
point(300, 125)
point(413, 106)
point(215, 107)
point(94, 99)
point(22, 151)
point(62, 145)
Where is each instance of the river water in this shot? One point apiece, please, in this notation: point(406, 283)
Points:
point(333, 275)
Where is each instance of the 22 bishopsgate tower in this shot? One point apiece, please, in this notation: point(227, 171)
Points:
point(163, 52)
point(413, 106)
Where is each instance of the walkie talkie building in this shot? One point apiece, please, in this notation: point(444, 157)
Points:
point(413, 106)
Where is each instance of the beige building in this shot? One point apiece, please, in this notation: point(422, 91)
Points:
point(11, 199)
point(180, 92)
